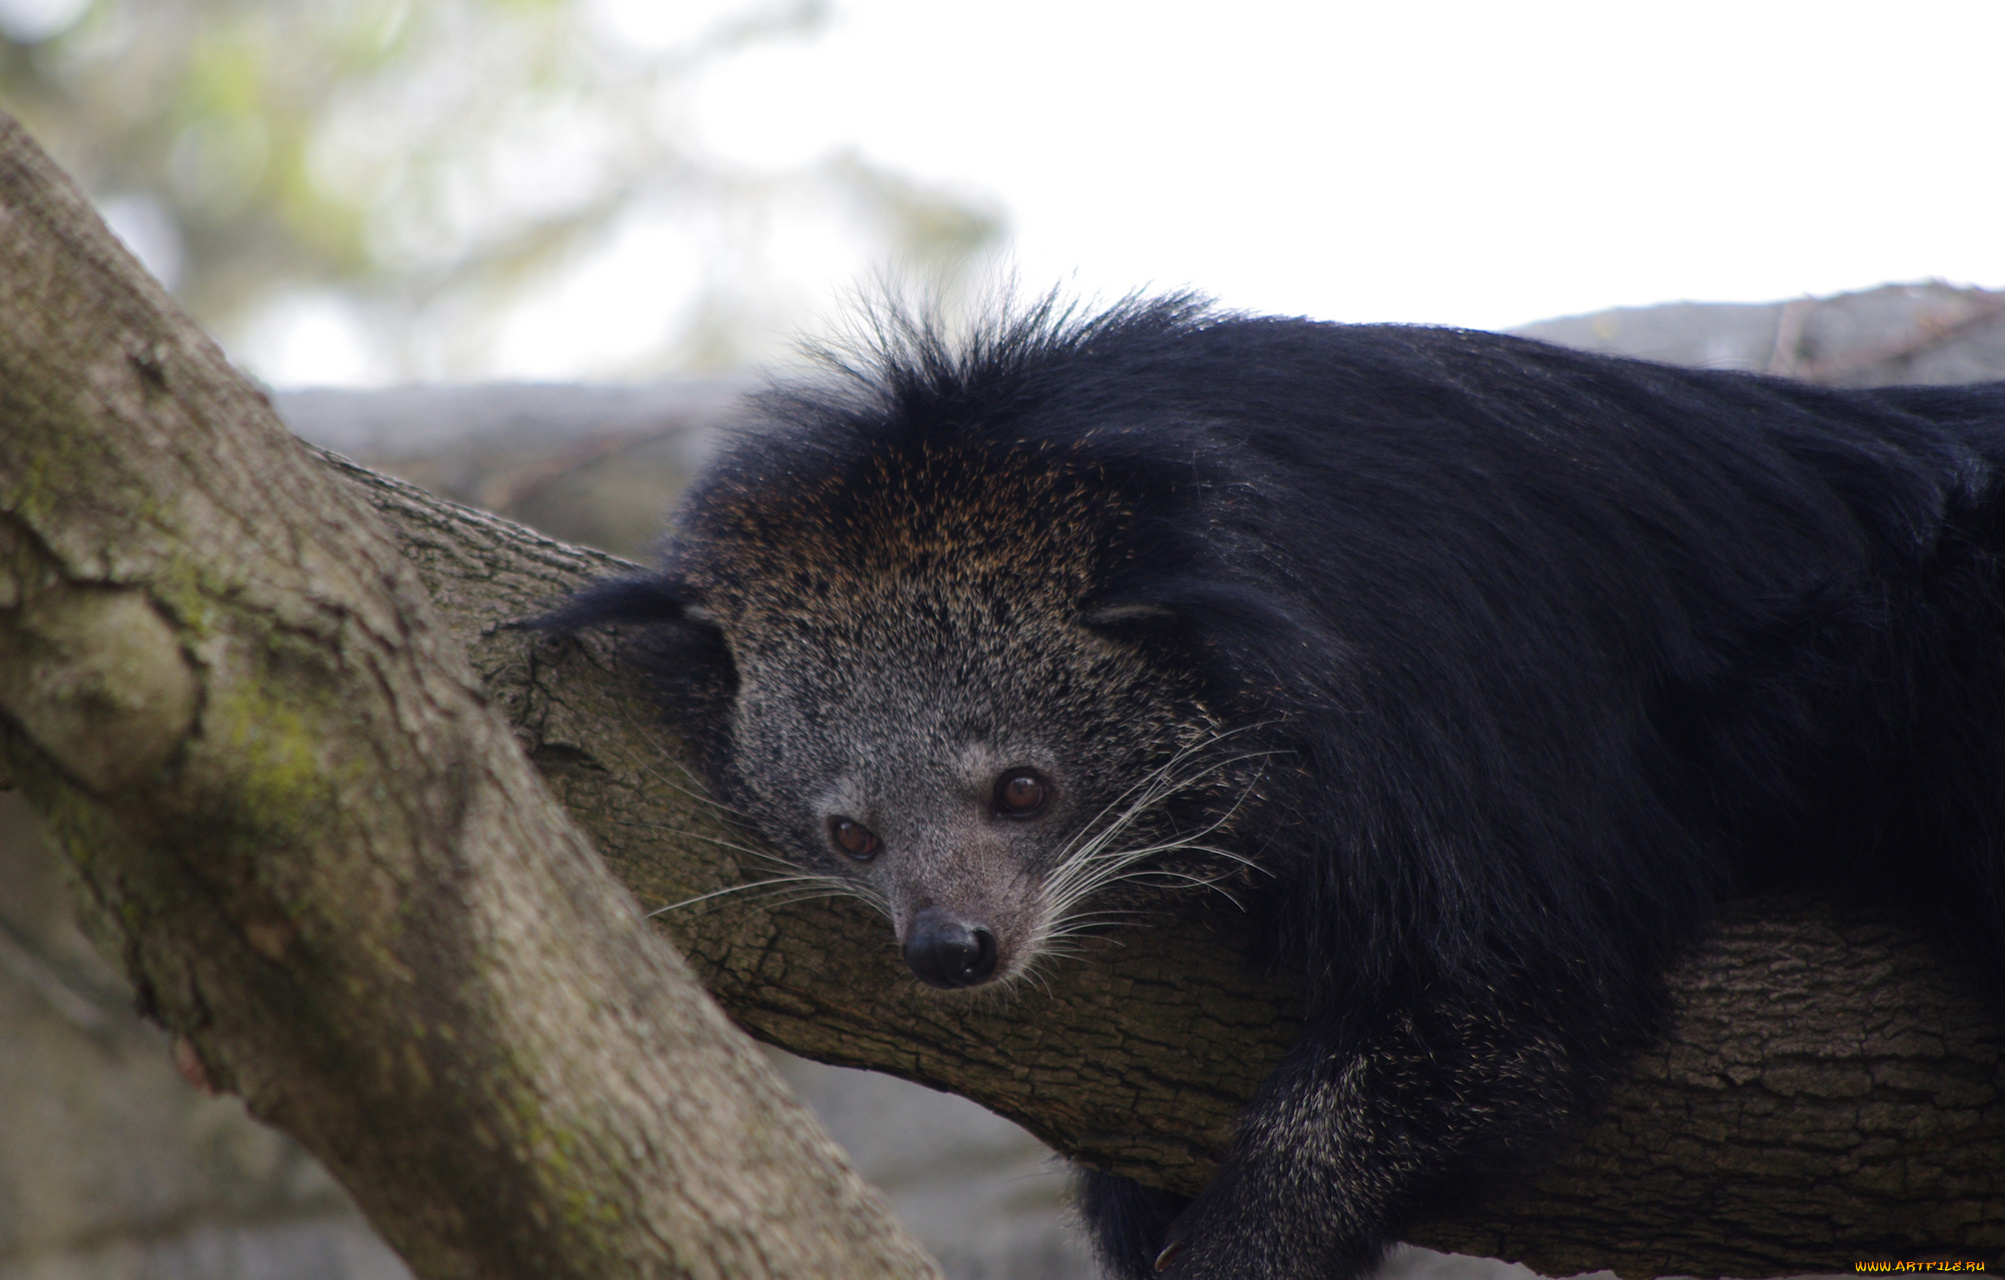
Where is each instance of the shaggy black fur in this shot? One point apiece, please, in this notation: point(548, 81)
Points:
point(1555, 650)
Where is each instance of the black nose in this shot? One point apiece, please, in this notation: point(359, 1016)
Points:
point(946, 953)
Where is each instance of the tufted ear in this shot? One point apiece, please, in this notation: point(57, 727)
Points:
point(643, 599)
point(1129, 618)
point(675, 643)
point(1125, 615)
point(1241, 640)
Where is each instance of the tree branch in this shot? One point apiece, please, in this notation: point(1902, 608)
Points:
point(322, 858)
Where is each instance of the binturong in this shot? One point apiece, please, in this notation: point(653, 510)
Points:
point(1483, 668)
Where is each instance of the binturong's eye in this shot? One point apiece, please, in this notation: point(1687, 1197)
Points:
point(853, 838)
point(1021, 794)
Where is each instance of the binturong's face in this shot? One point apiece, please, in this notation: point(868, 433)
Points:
point(980, 774)
point(926, 712)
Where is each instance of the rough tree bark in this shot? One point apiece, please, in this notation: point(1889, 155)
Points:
point(1830, 1092)
point(325, 862)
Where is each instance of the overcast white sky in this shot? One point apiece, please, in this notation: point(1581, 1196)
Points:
point(1481, 164)
point(1472, 163)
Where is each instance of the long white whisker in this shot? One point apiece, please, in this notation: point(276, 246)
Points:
point(749, 851)
point(1094, 860)
point(1160, 786)
point(740, 888)
point(1163, 771)
point(786, 898)
point(697, 789)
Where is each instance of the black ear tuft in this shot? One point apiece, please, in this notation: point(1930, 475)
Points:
point(1126, 616)
point(675, 644)
point(647, 599)
point(1241, 640)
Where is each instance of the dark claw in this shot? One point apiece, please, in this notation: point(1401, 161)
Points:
point(1174, 1239)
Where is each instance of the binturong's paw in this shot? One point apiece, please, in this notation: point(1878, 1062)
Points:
point(1241, 1230)
point(1126, 1222)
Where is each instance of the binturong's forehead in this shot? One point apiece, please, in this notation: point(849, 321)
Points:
point(928, 595)
point(953, 544)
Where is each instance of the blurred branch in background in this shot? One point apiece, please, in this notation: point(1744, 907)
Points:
point(380, 190)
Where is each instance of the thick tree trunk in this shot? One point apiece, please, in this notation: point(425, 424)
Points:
point(324, 860)
point(1830, 1093)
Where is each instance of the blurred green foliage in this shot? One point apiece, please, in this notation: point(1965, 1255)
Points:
point(429, 163)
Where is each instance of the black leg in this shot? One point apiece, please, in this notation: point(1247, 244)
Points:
point(1126, 1221)
point(1354, 1135)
